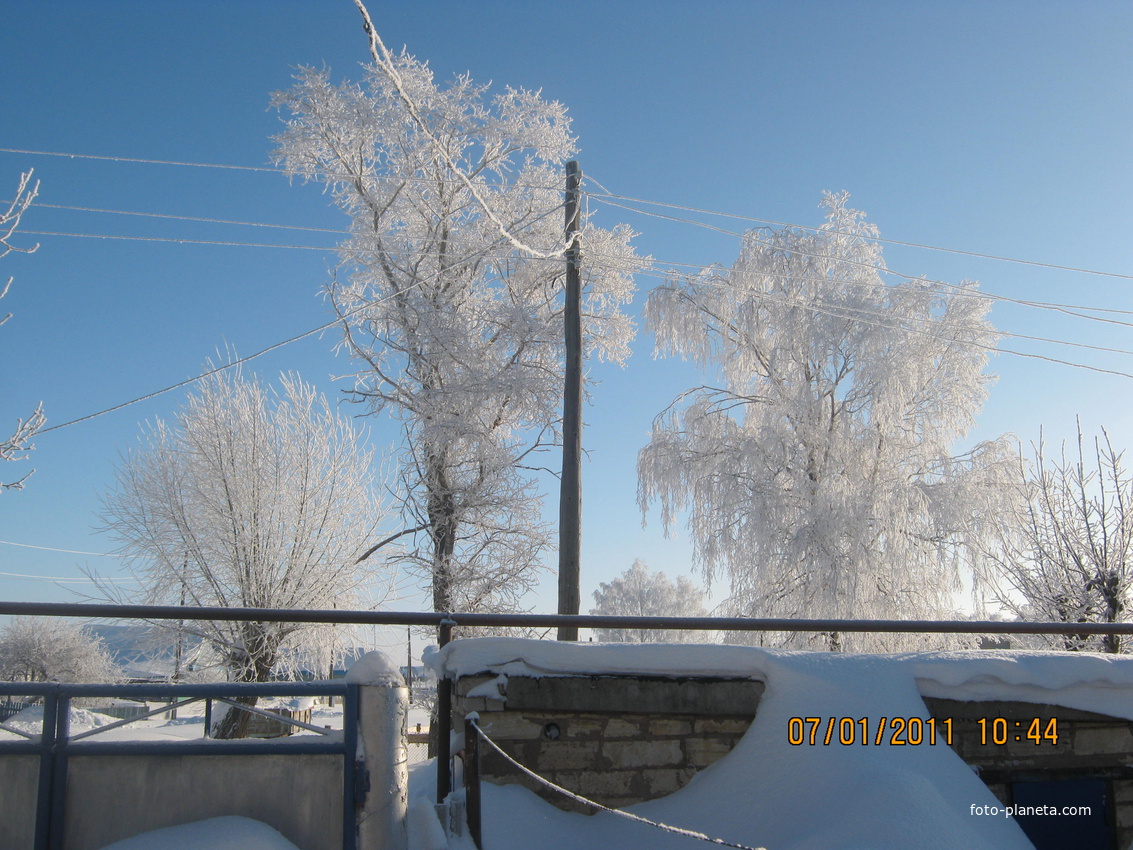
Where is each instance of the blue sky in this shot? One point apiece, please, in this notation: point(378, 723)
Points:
point(990, 128)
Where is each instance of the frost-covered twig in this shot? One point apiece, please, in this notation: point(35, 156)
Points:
point(16, 446)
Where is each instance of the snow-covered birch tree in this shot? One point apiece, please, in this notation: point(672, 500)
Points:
point(449, 295)
point(16, 446)
point(818, 472)
point(640, 593)
point(1066, 555)
point(248, 498)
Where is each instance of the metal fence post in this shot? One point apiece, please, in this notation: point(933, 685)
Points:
point(44, 808)
point(59, 770)
point(472, 778)
point(353, 768)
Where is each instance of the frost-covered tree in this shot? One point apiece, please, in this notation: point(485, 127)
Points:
point(16, 446)
point(818, 471)
point(49, 649)
point(1066, 554)
point(640, 593)
point(248, 498)
point(450, 301)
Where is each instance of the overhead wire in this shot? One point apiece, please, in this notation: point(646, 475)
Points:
point(202, 219)
point(178, 240)
point(1067, 309)
point(64, 579)
point(611, 199)
point(991, 296)
point(839, 311)
point(209, 372)
point(610, 195)
point(54, 549)
point(337, 320)
point(878, 313)
point(429, 181)
point(605, 195)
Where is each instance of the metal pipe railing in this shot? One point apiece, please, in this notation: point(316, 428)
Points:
point(585, 621)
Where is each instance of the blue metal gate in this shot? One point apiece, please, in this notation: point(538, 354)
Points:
point(55, 744)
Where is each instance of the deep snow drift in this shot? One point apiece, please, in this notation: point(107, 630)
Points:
point(769, 793)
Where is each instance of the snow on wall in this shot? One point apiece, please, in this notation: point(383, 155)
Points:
point(1081, 680)
point(768, 792)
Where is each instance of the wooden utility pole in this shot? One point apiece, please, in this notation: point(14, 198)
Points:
point(570, 485)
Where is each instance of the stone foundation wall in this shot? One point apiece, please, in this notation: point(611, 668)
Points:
point(615, 740)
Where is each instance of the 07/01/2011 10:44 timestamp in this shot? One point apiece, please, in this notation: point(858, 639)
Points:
point(913, 731)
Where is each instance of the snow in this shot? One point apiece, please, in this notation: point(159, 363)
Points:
point(225, 833)
point(767, 792)
point(375, 668)
point(492, 689)
point(30, 720)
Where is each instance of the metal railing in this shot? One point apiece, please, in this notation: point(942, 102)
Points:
point(56, 745)
point(582, 621)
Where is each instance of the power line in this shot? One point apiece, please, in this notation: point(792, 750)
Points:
point(1065, 309)
point(53, 549)
point(178, 240)
point(1061, 308)
point(64, 579)
point(960, 291)
point(833, 311)
point(141, 160)
point(605, 195)
point(610, 195)
point(242, 360)
point(430, 181)
point(190, 218)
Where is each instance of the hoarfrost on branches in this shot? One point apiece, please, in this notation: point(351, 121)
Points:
point(818, 475)
point(639, 593)
point(1066, 554)
point(50, 649)
point(18, 444)
point(456, 332)
point(249, 498)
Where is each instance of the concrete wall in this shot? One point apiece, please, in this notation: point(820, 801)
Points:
point(616, 740)
point(19, 776)
point(114, 797)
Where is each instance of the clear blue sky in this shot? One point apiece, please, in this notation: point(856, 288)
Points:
point(993, 128)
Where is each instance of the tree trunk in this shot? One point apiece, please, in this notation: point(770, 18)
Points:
point(441, 506)
point(257, 665)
